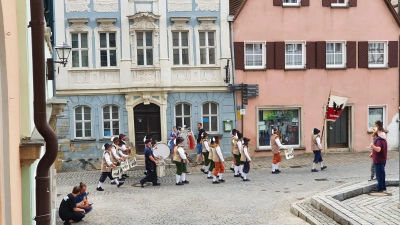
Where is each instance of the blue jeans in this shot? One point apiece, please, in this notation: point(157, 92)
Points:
point(88, 210)
point(199, 148)
point(380, 176)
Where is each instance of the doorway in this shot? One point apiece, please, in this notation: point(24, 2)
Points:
point(339, 131)
point(147, 121)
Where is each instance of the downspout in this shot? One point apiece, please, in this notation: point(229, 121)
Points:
point(43, 210)
point(398, 205)
point(230, 20)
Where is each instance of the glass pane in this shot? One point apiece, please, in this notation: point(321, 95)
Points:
point(87, 116)
point(206, 109)
point(75, 58)
point(140, 57)
point(85, 58)
point(338, 59)
point(185, 40)
point(78, 113)
point(206, 124)
point(149, 38)
point(106, 124)
point(106, 109)
point(249, 60)
point(103, 58)
point(79, 133)
point(115, 115)
point(258, 60)
point(113, 57)
point(249, 48)
point(186, 109)
point(75, 40)
point(88, 133)
point(257, 48)
point(214, 108)
point(88, 126)
point(115, 109)
point(203, 56)
point(210, 38)
point(149, 57)
point(211, 56)
point(299, 48)
point(112, 40)
point(178, 110)
point(176, 57)
point(185, 56)
point(78, 126)
point(374, 115)
point(84, 40)
point(202, 38)
point(107, 132)
point(187, 121)
point(329, 47)
point(178, 122)
point(298, 60)
point(175, 38)
point(116, 131)
point(116, 125)
point(139, 39)
point(214, 123)
point(103, 40)
point(338, 48)
point(86, 110)
point(330, 59)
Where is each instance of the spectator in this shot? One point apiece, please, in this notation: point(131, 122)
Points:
point(199, 145)
point(68, 211)
point(379, 157)
point(82, 201)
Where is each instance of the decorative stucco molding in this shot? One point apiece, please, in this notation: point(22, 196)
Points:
point(107, 24)
point(207, 5)
point(204, 75)
point(106, 5)
point(180, 23)
point(94, 77)
point(149, 77)
point(180, 5)
point(77, 5)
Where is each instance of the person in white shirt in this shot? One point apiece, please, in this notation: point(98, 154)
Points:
point(245, 159)
point(237, 154)
point(179, 157)
point(205, 151)
point(275, 147)
point(218, 159)
point(116, 155)
point(106, 164)
point(233, 145)
point(317, 149)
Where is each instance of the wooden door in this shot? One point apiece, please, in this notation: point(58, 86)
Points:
point(147, 121)
point(338, 132)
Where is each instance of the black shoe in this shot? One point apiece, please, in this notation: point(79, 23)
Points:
point(157, 184)
point(185, 182)
point(209, 177)
point(246, 180)
point(120, 184)
point(125, 175)
point(121, 179)
point(202, 170)
point(215, 182)
point(141, 185)
point(205, 172)
point(232, 169)
point(236, 175)
point(179, 183)
point(324, 167)
point(221, 180)
point(113, 183)
point(314, 170)
point(276, 172)
point(67, 222)
point(100, 189)
point(145, 172)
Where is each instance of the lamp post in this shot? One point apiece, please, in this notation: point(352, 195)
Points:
point(63, 50)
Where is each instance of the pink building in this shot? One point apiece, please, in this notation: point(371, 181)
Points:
point(296, 50)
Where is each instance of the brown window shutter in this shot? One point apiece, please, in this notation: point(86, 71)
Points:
point(352, 3)
point(280, 55)
point(270, 55)
point(239, 55)
point(305, 2)
point(310, 54)
point(393, 60)
point(278, 2)
point(362, 54)
point(326, 3)
point(321, 55)
point(351, 52)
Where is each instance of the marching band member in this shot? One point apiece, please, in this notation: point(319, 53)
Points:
point(237, 145)
point(148, 137)
point(206, 150)
point(150, 161)
point(126, 150)
point(122, 155)
point(116, 155)
point(275, 147)
point(218, 162)
point(179, 157)
point(106, 164)
point(233, 144)
point(240, 147)
point(245, 159)
point(210, 158)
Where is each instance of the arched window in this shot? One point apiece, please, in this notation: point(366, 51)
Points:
point(210, 117)
point(183, 115)
point(110, 120)
point(83, 122)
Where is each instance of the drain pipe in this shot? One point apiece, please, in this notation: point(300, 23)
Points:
point(230, 20)
point(43, 210)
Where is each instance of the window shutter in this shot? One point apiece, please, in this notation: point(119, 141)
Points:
point(270, 55)
point(239, 55)
point(352, 3)
point(310, 54)
point(362, 54)
point(305, 2)
point(280, 55)
point(351, 53)
point(321, 55)
point(393, 60)
point(326, 3)
point(278, 2)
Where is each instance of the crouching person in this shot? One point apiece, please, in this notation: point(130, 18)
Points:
point(68, 211)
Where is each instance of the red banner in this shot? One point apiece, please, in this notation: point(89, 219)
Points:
point(335, 107)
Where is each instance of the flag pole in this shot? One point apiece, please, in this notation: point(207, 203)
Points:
point(323, 126)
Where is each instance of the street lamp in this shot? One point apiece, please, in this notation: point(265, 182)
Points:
point(63, 50)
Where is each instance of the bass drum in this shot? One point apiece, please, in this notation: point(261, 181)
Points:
point(161, 149)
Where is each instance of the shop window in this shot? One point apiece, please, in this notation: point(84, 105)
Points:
point(287, 121)
point(183, 115)
point(83, 122)
point(110, 121)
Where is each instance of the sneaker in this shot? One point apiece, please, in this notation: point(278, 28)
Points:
point(209, 177)
point(180, 183)
point(113, 183)
point(215, 182)
point(246, 180)
point(314, 170)
point(232, 169)
point(141, 185)
point(276, 172)
point(125, 175)
point(185, 182)
point(221, 180)
point(120, 184)
point(324, 167)
point(157, 184)
point(205, 172)
point(100, 189)
point(202, 170)
point(236, 175)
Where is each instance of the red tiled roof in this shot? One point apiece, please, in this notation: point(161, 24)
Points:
point(235, 6)
point(392, 11)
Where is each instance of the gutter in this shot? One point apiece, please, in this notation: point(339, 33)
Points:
point(43, 210)
point(231, 18)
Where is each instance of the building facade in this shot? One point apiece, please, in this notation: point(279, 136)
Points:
point(304, 49)
point(140, 67)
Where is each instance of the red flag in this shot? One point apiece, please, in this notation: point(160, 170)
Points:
point(335, 107)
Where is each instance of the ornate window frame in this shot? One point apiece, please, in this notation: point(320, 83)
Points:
point(207, 24)
point(107, 25)
point(79, 26)
point(180, 24)
point(144, 21)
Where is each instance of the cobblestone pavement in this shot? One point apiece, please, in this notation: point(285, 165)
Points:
point(266, 199)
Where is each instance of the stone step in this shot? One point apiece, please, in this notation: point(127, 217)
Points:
point(306, 211)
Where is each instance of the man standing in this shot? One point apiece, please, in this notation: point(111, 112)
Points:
point(68, 211)
point(317, 150)
point(199, 145)
point(150, 161)
point(379, 157)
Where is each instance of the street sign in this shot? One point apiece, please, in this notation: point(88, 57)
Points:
point(242, 111)
point(245, 101)
point(234, 87)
